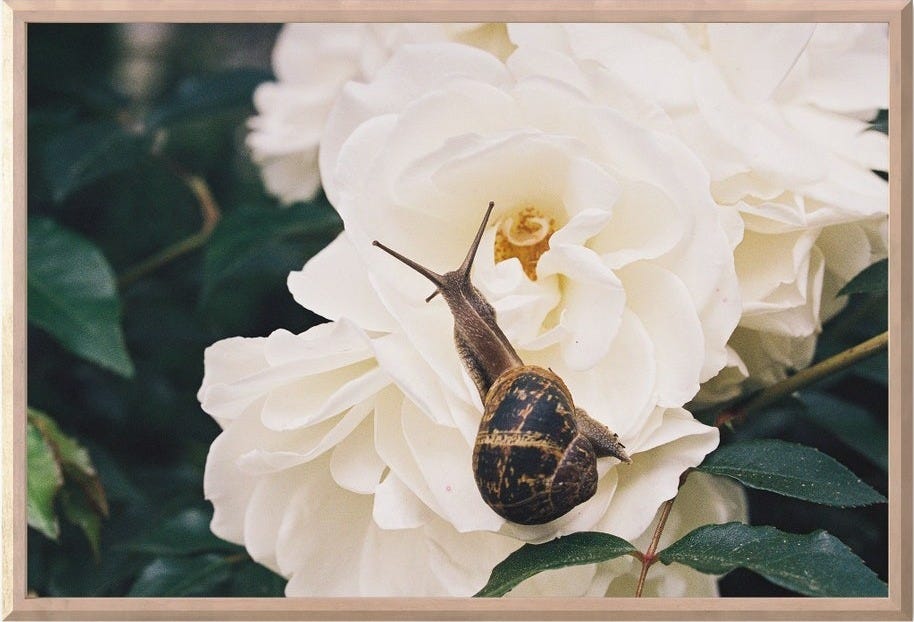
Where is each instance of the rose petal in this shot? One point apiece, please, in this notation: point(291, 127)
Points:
point(224, 485)
point(226, 361)
point(393, 565)
point(394, 450)
point(846, 249)
point(755, 58)
point(397, 507)
point(594, 300)
point(323, 348)
point(413, 376)
point(679, 345)
point(643, 55)
point(769, 356)
point(318, 287)
point(619, 392)
point(314, 399)
point(653, 476)
point(401, 80)
point(633, 232)
point(848, 67)
point(443, 457)
point(336, 521)
point(463, 561)
point(792, 310)
point(842, 136)
point(263, 516)
point(765, 144)
point(313, 442)
point(289, 121)
point(354, 463)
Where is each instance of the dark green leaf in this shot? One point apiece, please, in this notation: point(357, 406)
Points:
point(186, 533)
point(572, 550)
point(181, 576)
point(871, 280)
point(792, 470)
point(247, 238)
point(816, 564)
point(252, 579)
point(44, 480)
point(88, 152)
point(205, 94)
point(875, 369)
point(72, 294)
point(78, 510)
point(856, 427)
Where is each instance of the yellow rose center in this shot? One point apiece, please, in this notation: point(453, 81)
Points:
point(524, 234)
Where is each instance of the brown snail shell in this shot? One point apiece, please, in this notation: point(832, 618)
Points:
point(531, 463)
point(535, 454)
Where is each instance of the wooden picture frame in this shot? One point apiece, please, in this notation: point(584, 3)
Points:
point(18, 14)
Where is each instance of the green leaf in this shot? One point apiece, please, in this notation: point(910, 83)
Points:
point(252, 579)
point(253, 240)
point(856, 427)
point(875, 369)
point(186, 533)
point(206, 94)
point(44, 480)
point(816, 564)
point(88, 152)
point(83, 499)
point(73, 459)
point(576, 549)
point(792, 470)
point(871, 280)
point(181, 576)
point(72, 294)
point(79, 511)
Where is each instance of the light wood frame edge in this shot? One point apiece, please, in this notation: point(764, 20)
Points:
point(15, 606)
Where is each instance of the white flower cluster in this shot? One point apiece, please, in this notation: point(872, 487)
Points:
point(676, 207)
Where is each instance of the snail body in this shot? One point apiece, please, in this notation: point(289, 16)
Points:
point(535, 453)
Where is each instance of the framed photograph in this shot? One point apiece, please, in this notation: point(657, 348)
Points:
point(435, 310)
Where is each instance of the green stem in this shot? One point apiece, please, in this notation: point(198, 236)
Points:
point(211, 215)
point(163, 257)
point(804, 378)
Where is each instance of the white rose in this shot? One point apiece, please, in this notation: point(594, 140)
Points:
point(347, 450)
point(312, 62)
point(777, 113)
point(298, 477)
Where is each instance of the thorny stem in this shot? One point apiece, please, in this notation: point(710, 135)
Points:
point(211, 214)
point(650, 555)
point(804, 378)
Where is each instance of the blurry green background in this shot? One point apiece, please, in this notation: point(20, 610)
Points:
point(135, 134)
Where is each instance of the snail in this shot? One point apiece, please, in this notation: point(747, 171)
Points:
point(535, 453)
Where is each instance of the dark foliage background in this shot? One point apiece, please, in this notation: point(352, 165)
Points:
point(122, 126)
